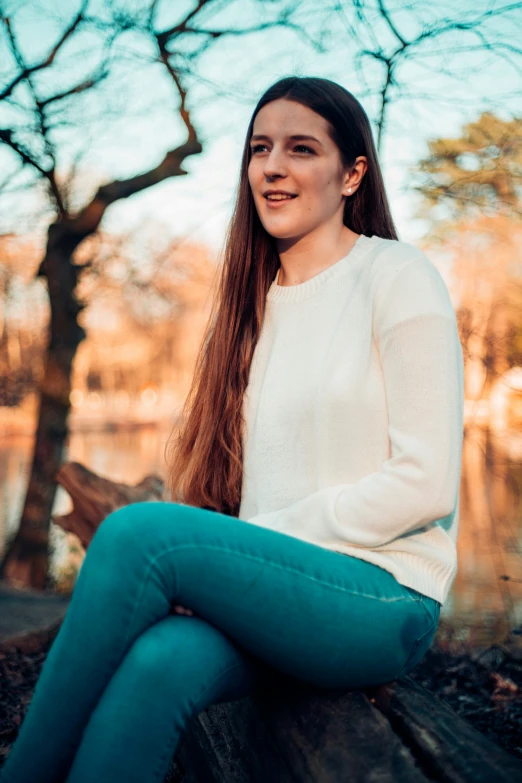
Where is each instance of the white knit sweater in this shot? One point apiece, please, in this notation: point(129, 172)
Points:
point(354, 414)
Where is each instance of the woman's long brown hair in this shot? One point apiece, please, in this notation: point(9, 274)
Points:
point(205, 451)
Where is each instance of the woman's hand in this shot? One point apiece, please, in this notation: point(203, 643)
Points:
point(178, 609)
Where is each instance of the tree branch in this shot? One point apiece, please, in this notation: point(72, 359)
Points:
point(6, 136)
point(27, 71)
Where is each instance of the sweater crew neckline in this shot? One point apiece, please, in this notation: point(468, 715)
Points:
point(295, 293)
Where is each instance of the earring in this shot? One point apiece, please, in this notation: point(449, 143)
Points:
point(349, 190)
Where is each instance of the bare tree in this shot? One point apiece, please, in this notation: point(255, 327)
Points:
point(26, 560)
point(435, 37)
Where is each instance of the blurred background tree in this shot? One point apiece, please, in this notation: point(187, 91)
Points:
point(471, 190)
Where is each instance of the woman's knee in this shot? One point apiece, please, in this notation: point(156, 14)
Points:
point(127, 527)
point(155, 654)
point(178, 655)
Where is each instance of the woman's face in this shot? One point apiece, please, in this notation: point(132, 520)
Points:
point(308, 168)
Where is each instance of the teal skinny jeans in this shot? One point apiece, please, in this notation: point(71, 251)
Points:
point(125, 673)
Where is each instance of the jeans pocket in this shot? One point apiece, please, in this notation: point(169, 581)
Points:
point(422, 642)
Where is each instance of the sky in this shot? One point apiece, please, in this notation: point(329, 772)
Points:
point(129, 124)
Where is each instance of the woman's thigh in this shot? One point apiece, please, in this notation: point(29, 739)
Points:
point(308, 612)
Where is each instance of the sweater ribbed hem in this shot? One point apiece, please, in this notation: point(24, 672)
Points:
point(296, 293)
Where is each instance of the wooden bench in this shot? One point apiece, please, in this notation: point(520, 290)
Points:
point(397, 732)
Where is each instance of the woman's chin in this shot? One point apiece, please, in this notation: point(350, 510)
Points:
point(280, 230)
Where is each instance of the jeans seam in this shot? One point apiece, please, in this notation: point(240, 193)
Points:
point(151, 565)
point(261, 560)
point(417, 643)
point(433, 617)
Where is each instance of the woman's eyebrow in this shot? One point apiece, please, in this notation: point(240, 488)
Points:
point(294, 137)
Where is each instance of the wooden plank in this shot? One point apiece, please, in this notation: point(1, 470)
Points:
point(447, 747)
point(333, 736)
point(229, 743)
point(296, 734)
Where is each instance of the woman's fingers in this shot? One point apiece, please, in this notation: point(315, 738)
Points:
point(182, 610)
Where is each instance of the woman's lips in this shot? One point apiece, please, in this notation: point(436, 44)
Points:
point(276, 203)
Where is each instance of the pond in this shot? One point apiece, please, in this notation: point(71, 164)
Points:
point(485, 603)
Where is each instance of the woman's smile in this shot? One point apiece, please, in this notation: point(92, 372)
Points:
point(279, 201)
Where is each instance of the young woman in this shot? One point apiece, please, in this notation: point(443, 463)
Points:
point(315, 474)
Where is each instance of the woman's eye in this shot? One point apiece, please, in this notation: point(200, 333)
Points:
point(257, 147)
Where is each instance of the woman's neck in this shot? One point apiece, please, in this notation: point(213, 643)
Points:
point(307, 258)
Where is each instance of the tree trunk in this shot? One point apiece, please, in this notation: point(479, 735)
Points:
point(94, 498)
point(26, 561)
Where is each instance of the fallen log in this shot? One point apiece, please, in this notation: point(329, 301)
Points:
point(94, 498)
point(393, 733)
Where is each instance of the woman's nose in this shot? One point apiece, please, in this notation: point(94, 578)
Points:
point(274, 165)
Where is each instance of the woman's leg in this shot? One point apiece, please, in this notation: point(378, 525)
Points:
point(311, 613)
point(174, 669)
